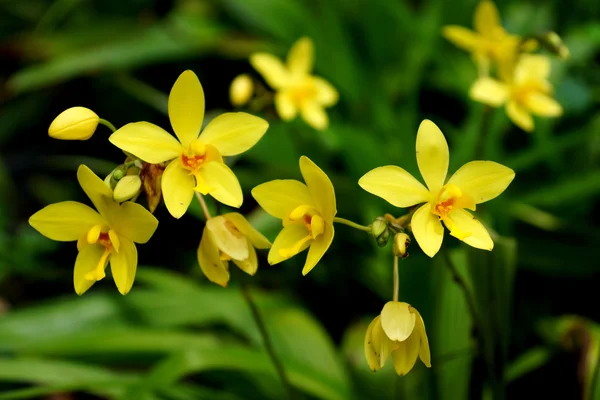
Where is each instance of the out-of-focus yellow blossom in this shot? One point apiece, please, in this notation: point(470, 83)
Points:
point(528, 92)
point(75, 123)
point(445, 201)
point(103, 236)
point(229, 237)
point(399, 331)
point(306, 211)
point(297, 90)
point(241, 90)
point(127, 187)
point(489, 42)
point(196, 159)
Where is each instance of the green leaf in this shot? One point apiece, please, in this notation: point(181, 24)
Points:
point(527, 362)
point(581, 187)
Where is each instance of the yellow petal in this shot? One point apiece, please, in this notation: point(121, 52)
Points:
point(147, 141)
point(285, 106)
point(479, 237)
point(226, 186)
point(234, 133)
point(281, 196)
point(394, 185)
point(519, 116)
point(210, 261)
point(186, 107)
point(397, 320)
point(424, 353)
point(300, 58)
point(75, 123)
point(256, 238)
point(327, 95)
point(482, 180)
point(271, 68)
point(380, 342)
point(320, 188)
point(66, 221)
point(371, 354)
point(230, 241)
point(489, 91)
point(249, 265)
point(405, 356)
point(428, 230)
point(114, 239)
point(98, 192)
point(87, 260)
point(432, 155)
point(314, 115)
point(123, 265)
point(318, 248)
point(486, 19)
point(532, 67)
point(543, 105)
point(287, 239)
point(135, 222)
point(462, 37)
point(177, 188)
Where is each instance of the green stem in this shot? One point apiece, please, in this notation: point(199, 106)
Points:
point(267, 341)
point(396, 279)
point(107, 124)
point(203, 205)
point(352, 224)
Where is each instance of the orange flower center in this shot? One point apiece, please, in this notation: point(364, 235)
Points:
point(195, 156)
point(312, 221)
point(103, 239)
point(451, 198)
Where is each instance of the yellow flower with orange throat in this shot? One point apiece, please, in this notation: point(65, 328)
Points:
point(298, 91)
point(195, 158)
point(104, 236)
point(306, 210)
point(229, 237)
point(442, 201)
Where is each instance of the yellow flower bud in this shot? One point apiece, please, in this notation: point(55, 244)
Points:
point(127, 187)
point(241, 90)
point(401, 242)
point(75, 123)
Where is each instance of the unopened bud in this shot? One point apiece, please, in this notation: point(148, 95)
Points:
point(241, 90)
point(75, 123)
point(379, 230)
point(127, 187)
point(118, 174)
point(555, 44)
point(401, 242)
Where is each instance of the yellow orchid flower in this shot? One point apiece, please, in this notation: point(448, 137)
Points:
point(528, 92)
point(229, 237)
point(196, 159)
point(103, 236)
point(297, 90)
point(306, 211)
point(399, 331)
point(473, 183)
point(489, 43)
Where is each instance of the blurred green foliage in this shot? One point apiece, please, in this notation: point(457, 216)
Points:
point(175, 336)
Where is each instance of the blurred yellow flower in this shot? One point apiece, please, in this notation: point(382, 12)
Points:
point(527, 92)
point(197, 159)
point(297, 90)
point(107, 235)
point(399, 331)
point(489, 42)
point(473, 183)
point(75, 123)
point(229, 237)
point(306, 211)
point(241, 90)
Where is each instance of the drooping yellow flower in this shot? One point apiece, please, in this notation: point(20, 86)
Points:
point(229, 237)
point(527, 92)
point(75, 123)
point(306, 211)
point(297, 89)
point(196, 160)
point(445, 201)
point(399, 331)
point(489, 42)
point(103, 236)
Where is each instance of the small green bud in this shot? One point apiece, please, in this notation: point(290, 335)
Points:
point(380, 231)
point(118, 174)
point(401, 242)
point(383, 238)
point(127, 187)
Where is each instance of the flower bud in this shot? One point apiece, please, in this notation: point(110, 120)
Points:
point(401, 242)
point(379, 230)
point(241, 90)
point(555, 44)
point(127, 187)
point(75, 123)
